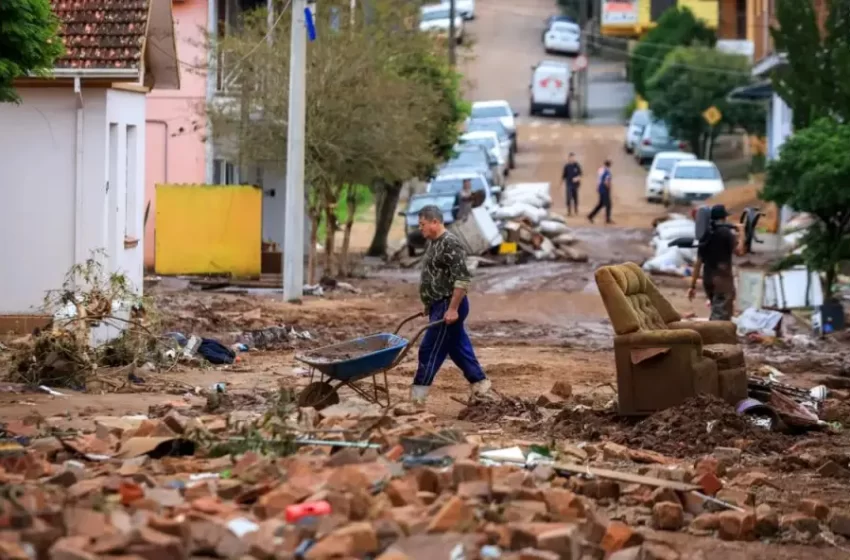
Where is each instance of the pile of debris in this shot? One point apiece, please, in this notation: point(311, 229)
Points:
point(524, 218)
point(672, 261)
point(379, 484)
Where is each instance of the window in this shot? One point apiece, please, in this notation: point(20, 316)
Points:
point(696, 172)
point(666, 164)
point(224, 173)
point(434, 15)
point(741, 19)
point(131, 234)
point(455, 185)
point(489, 112)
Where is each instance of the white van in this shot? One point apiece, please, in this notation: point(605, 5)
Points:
point(551, 88)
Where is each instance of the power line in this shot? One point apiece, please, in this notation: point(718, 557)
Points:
point(265, 38)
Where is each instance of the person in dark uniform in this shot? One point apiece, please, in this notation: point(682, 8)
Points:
point(572, 180)
point(714, 261)
point(604, 189)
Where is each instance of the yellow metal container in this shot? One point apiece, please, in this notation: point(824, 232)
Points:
point(507, 248)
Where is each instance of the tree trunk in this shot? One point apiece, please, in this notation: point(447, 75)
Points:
point(830, 282)
point(386, 202)
point(351, 205)
point(312, 259)
point(330, 234)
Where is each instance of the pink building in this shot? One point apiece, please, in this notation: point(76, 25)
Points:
point(175, 125)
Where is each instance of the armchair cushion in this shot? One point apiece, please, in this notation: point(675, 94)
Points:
point(712, 332)
point(727, 356)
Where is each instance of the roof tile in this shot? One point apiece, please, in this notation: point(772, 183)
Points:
point(101, 33)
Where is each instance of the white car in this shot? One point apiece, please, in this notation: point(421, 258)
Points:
point(694, 180)
point(466, 8)
point(662, 165)
point(435, 19)
point(501, 110)
point(490, 140)
point(634, 130)
point(563, 37)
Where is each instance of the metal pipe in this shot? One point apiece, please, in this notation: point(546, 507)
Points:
point(212, 78)
point(78, 179)
point(165, 156)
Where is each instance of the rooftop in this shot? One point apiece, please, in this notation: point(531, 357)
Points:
point(102, 33)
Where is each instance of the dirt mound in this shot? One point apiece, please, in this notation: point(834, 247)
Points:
point(585, 424)
point(697, 426)
point(497, 409)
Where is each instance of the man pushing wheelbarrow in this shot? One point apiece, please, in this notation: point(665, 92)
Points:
point(445, 279)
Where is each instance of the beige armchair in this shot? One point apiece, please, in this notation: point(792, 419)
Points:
point(661, 359)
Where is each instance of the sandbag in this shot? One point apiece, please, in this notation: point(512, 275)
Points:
point(533, 199)
point(673, 225)
point(683, 230)
point(556, 218)
point(538, 188)
point(507, 212)
point(519, 210)
point(671, 261)
point(552, 228)
point(564, 239)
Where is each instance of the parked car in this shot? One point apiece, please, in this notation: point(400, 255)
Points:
point(552, 19)
point(550, 88)
point(563, 37)
point(476, 158)
point(451, 182)
point(501, 110)
point(466, 8)
point(490, 141)
point(656, 138)
point(659, 171)
point(692, 180)
point(446, 202)
point(435, 19)
point(634, 129)
point(495, 125)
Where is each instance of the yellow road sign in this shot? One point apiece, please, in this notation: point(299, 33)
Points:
point(712, 116)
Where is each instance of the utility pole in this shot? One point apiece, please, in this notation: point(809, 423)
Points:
point(452, 33)
point(293, 238)
point(582, 76)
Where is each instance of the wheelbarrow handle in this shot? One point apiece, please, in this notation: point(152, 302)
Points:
point(413, 340)
point(406, 321)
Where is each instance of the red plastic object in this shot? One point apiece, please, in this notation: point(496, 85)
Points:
point(310, 509)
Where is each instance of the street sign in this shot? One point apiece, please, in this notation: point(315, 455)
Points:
point(580, 63)
point(712, 116)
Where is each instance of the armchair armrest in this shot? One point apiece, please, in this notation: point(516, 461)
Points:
point(660, 339)
point(712, 332)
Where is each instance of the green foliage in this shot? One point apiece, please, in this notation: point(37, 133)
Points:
point(811, 175)
point(29, 42)
point(676, 27)
point(691, 80)
point(815, 82)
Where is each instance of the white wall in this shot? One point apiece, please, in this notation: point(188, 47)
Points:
point(37, 192)
point(46, 225)
point(124, 170)
point(274, 207)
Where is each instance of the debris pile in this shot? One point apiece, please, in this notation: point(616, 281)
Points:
point(672, 261)
point(524, 218)
point(697, 426)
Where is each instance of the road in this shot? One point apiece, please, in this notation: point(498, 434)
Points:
point(507, 43)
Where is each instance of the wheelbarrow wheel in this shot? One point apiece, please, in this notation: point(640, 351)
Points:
point(318, 395)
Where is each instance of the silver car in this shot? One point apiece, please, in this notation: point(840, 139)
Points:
point(656, 138)
point(634, 130)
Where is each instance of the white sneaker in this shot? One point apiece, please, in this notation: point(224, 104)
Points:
point(419, 394)
point(481, 388)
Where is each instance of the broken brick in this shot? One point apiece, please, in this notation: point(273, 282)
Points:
point(562, 389)
point(839, 522)
point(668, 516)
point(706, 522)
point(563, 541)
point(800, 522)
point(564, 505)
point(814, 508)
point(454, 515)
point(619, 536)
point(709, 483)
point(736, 525)
point(402, 492)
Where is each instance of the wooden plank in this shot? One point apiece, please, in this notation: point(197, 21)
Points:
point(625, 477)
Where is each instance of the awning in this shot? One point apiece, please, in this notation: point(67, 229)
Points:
point(761, 91)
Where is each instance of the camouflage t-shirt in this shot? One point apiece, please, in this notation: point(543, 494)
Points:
point(443, 269)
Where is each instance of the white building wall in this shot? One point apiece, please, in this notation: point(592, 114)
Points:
point(47, 226)
point(123, 170)
point(38, 200)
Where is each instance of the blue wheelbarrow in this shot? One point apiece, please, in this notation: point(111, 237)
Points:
point(344, 364)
